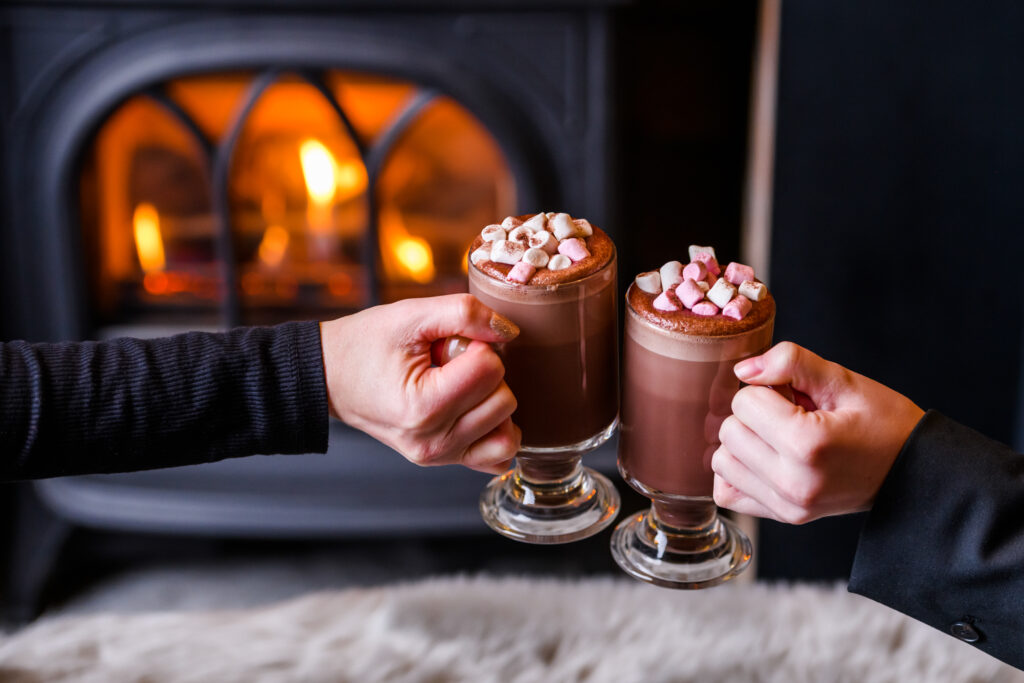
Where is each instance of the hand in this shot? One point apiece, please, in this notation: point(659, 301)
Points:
point(825, 453)
point(380, 380)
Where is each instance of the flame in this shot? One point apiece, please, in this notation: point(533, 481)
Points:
point(148, 243)
point(319, 171)
point(273, 245)
point(416, 257)
point(352, 178)
point(410, 255)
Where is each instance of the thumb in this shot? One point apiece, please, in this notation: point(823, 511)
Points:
point(804, 377)
point(460, 315)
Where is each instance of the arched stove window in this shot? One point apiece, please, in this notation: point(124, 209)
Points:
point(230, 198)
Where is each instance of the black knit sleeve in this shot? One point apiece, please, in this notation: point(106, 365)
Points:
point(131, 404)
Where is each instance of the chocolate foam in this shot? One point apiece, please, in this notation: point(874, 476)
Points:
point(685, 322)
point(599, 245)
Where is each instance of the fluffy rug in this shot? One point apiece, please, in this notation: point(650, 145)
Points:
point(483, 629)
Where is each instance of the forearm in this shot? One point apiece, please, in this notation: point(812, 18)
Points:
point(944, 541)
point(130, 404)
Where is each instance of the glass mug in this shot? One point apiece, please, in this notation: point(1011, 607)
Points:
point(677, 391)
point(563, 371)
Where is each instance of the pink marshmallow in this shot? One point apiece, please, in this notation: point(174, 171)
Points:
point(737, 273)
point(689, 293)
point(705, 308)
point(737, 308)
point(663, 303)
point(521, 273)
point(709, 262)
point(695, 270)
point(574, 248)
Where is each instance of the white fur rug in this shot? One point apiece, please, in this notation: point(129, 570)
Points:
point(529, 630)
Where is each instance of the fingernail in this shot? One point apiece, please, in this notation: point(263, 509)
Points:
point(504, 327)
point(748, 368)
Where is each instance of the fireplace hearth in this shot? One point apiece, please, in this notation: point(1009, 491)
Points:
point(200, 166)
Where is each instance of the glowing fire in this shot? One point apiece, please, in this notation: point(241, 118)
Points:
point(273, 246)
point(318, 168)
point(148, 243)
point(409, 255)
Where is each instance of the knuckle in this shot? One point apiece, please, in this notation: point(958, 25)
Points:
point(802, 491)
point(465, 306)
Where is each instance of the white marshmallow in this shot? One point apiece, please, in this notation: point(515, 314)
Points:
point(544, 240)
point(649, 282)
point(493, 233)
point(722, 293)
point(537, 222)
point(583, 227)
point(521, 234)
point(538, 258)
point(550, 214)
point(754, 291)
point(481, 254)
point(562, 226)
point(511, 222)
point(507, 251)
point(559, 262)
point(703, 286)
point(671, 275)
point(694, 250)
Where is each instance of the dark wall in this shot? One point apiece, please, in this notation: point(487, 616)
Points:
point(683, 90)
point(898, 214)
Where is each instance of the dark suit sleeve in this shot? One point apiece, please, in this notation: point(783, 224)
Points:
point(944, 541)
point(131, 404)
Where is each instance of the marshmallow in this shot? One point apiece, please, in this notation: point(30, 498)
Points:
point(736, 273)
point(511, 222)
point(737, 308)
point(493, 233)
point(521, 273)
point(689, 293)
point(671, 275)
point(574, 248)
point(663, 303)
point(754, 291)
point(695, 270)
point(544, 240)
point(538, 222)
point(538, 258)
point(709, 262)
point(649, 282)
point(521, 234)
point(550, 214)
point(481, 254)
point(721, 293)
point(693, 250)
point(705, 308)
point(583, 227)
point(704, 286)
point(562, 226)
point(507, 251)
point(559, 262)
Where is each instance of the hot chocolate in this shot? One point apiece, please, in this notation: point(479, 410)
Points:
point(686, 328)
point(554, 276)
point(562, 367)
point(677, 391)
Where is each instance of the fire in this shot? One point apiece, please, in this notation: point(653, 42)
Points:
point(408, 254)
point(416, 257)
point(148, 242)
point(273, 246)
point(319, 171)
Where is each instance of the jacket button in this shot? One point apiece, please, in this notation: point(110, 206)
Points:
point(965, 632)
